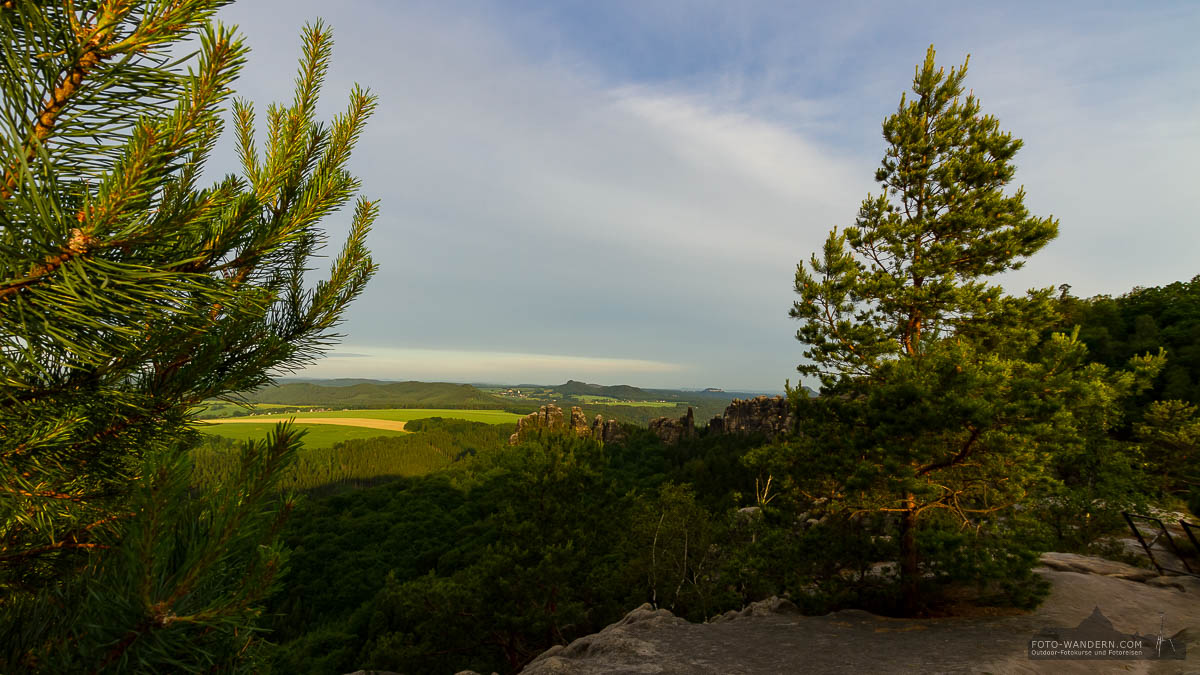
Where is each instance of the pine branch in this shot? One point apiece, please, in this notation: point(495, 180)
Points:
point(92, 43)
point(79, 244)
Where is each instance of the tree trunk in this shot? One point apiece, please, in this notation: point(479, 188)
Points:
point(910, 573)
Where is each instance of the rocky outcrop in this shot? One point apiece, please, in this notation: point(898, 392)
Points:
point(579, 423)
point(544, 418)
point(772, 605)
point(671, 431)
point(607, 431)
point(1083, 564)
point(619, 648)
point(770, 416)
point(770, 637)
point(551, 417)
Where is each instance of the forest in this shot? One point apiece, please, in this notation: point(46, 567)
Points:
point(959, 430)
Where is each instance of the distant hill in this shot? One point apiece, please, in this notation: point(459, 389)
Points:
point(710, 394)
point(618, 391)
point(378, 395)
point(334, 382)
point(365, 393)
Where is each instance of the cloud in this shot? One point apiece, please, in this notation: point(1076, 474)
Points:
point(535, 207)
point(482, 366)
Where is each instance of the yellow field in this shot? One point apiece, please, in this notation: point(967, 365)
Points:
point(390, 425)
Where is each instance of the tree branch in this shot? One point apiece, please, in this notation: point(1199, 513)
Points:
point(957, 458)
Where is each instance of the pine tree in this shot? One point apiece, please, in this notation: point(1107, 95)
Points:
point(941, 401)
point(129, 293)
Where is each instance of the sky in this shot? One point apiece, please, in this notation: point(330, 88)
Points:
point(619, 192)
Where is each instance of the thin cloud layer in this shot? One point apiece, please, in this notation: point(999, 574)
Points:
point(481, 366)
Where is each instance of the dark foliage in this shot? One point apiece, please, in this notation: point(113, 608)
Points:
point(509, 551)
point(1143, 321)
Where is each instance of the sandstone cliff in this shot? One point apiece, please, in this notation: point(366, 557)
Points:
point(671, 431)
point(551, 416)
point(770, 416)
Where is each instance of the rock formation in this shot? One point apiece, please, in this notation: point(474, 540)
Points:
point(761, 415)
point(579, 423)
point(771, 416)
point(551, 417)
point(615, 649)
point(671, 431)
point(607, 432)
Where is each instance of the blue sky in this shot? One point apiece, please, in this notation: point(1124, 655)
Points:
point(619, 192)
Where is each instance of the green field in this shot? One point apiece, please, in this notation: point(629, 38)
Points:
point(608, 400)
point(325, 435)
point(401, 414)
point(405, 414)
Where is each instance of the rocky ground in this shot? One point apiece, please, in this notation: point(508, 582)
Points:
point(770, 637)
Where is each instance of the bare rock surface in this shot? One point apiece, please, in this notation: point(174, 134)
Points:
point(771, 637)
point(1071, 562)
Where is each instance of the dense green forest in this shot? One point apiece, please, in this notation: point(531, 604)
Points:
point(1142, 321)
point(497, 557)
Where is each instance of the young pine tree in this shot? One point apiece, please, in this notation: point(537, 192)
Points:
point(130, 292)
point(940, 403)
